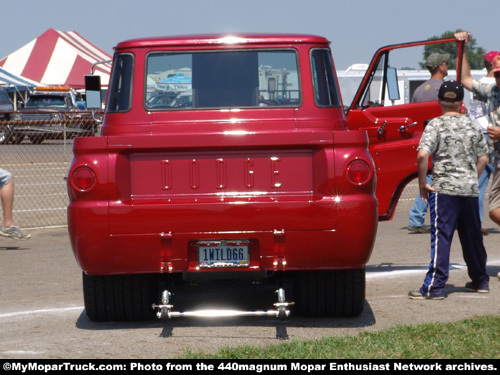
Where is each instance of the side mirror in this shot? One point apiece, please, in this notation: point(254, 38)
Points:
point(392, 84)
point(93, 91)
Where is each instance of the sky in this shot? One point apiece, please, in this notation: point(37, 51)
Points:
point(356, 28)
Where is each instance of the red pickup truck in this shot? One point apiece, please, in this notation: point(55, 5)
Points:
point(234, 157)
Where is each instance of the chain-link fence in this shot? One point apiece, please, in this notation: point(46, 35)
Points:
point(38, 154)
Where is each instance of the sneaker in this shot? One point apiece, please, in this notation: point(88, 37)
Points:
point(498, 276)
point(422, 229)
point(471, 288)
point(416, 294)
point(14, 232)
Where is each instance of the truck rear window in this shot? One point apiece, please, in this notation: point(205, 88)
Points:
point(222, 79)
point(40, 101)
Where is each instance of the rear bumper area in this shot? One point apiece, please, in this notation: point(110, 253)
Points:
point(300, 200)
point(348, 244)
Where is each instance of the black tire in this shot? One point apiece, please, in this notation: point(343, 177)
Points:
point(5, 134)
point(17, 139)
point(119, 297)
point(329, 293)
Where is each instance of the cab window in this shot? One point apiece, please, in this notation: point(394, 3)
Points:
point(120, 88)
point(227, 79)
point(325, 89)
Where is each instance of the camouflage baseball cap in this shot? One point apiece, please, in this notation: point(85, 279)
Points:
point(437, 59)
point(451, 91)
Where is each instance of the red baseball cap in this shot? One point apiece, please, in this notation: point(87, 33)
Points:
point(488, 58)
point(496, 64)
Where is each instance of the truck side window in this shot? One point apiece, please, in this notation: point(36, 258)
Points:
point(375, 94)
point(325, 89)
point(396, 74)
point(120, 88)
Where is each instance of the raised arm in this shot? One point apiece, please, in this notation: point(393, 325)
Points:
point(466, 76)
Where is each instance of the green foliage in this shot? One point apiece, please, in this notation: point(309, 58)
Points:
point(475, 338)
point(475, 54)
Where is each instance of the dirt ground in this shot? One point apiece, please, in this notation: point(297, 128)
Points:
point(42, 315)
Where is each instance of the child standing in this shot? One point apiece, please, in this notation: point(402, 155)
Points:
point(459, 153)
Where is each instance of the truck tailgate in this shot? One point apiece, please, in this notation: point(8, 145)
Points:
point(222, 182)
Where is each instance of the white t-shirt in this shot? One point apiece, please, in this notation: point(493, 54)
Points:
point(478, 110)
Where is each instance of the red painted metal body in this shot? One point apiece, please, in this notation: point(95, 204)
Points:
point(393, 150)
point(275, 176)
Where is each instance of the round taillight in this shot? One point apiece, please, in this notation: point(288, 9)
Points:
point(83, 178)
point(358, 172)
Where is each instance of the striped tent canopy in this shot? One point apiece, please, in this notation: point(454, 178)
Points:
point(58, 58)
point(12, 83)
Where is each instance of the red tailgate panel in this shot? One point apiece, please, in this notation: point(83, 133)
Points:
point(220, 174)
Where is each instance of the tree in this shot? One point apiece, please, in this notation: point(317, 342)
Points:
point(474, 54)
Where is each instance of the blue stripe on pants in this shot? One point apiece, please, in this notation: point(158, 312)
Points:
point(450, 212)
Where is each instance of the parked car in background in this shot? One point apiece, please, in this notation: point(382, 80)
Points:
point(5, 108)
point(5, 104)
point(50, 113)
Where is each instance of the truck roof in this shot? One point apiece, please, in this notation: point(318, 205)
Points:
point(220, 39)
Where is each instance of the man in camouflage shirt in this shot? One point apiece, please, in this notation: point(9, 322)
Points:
point(478, 111)
point(459, 154)
point(490, 93)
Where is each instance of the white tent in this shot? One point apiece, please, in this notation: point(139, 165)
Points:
point(58, 58)
point(16, 85)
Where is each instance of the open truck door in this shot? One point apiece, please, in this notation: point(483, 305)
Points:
point(382, 106)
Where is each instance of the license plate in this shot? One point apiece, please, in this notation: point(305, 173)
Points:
point(230, 253)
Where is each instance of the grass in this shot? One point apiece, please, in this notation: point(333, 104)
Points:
point(475, 338)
